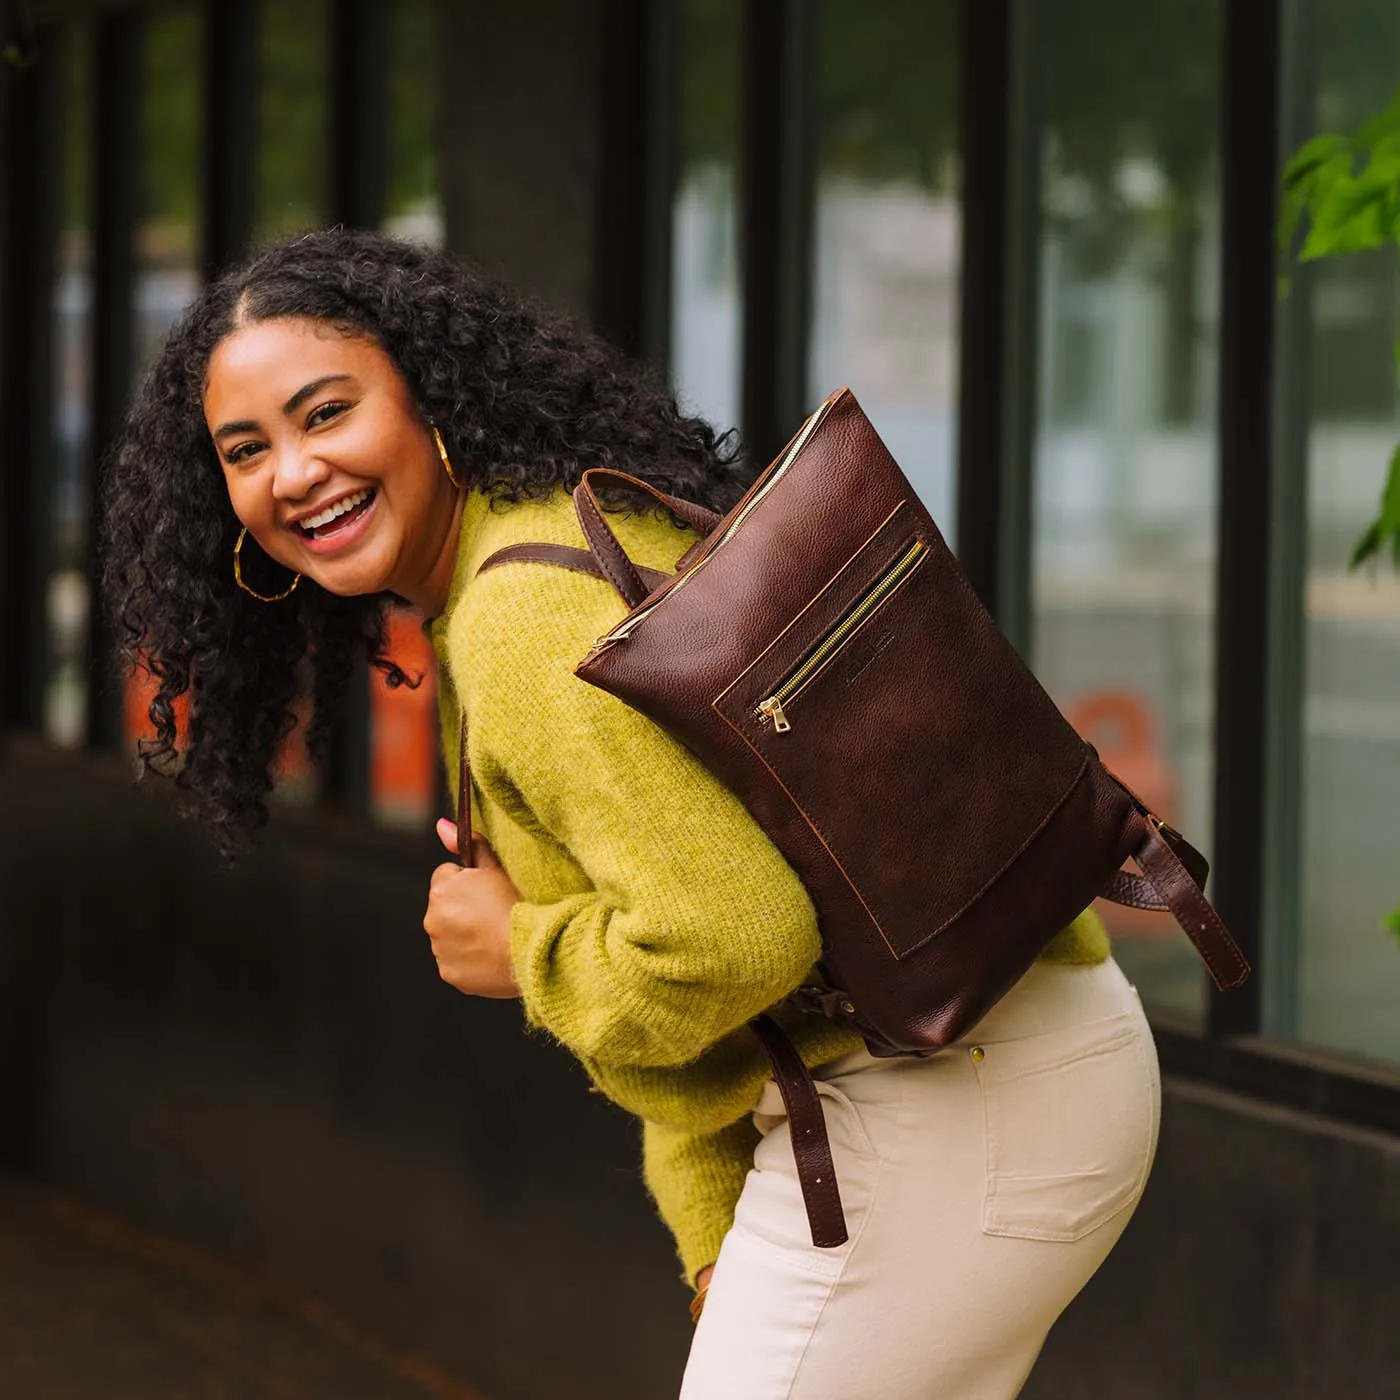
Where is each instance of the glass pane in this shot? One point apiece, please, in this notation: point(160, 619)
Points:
point(65, 689)
point(167, 230)
point(292, 117)
point(706, 316)
point(886, 236)
point(1348, 972)
point(1124, 537)
point(167, 233)
point(414, 197)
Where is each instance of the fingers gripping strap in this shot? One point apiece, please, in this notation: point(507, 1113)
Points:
point(816, 1172)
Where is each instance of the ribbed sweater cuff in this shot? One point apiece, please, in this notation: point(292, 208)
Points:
point(695, 1180)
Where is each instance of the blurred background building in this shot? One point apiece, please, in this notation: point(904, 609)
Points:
point(1036, 237)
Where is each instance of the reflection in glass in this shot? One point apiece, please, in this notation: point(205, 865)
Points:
point(414, 208)
point(706, 316)
point(1124, 535)
point(167, 235)
point(1348, 972)
point(167, 232)
point(65, 690)
point(886, 239)
point(292, 117)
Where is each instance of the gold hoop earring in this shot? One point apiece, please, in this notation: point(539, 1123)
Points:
point(238, 575)
point(446, 465)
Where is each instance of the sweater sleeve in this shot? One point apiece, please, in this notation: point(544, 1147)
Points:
point(695, 1180)
point(691, 922)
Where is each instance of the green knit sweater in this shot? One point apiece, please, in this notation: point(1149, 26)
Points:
point(655, 916)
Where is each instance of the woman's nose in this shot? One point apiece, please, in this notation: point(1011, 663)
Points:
point(296, 473)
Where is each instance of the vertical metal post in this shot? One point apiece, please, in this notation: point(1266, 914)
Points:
point(1287, 531)
point(985, 137)
point(636, 176)
point(776, 163)
point(357, 143)
point(358, 111)
point(1249, 179)
point(28, 102)
point(230, 115)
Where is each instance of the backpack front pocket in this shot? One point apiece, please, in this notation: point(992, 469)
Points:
point(870, 708)
point(773, 708)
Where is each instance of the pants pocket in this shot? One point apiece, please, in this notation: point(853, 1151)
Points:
point(771, 1209)
point(844, 1127)
point(1071, 1120)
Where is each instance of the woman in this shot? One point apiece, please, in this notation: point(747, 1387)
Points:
point(346, 420)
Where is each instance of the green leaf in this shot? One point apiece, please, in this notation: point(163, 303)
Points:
point(1385, 528)
point(1392, 922)
point(1351, 216)
point(1313, 155)
point(1382, 125)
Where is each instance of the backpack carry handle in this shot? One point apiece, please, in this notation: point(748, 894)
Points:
point(612, 559)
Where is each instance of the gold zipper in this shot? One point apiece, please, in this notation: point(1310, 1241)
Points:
point(625, 627)
point(772, 708)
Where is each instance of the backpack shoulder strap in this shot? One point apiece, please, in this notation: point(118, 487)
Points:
point(563, 556)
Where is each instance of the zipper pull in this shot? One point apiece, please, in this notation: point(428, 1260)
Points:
point(772, 708)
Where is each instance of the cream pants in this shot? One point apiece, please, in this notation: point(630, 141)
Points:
point(982, 1188)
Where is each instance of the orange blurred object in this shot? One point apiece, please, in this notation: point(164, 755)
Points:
point(403, 729)
point(1120, 724)
point(141, 687)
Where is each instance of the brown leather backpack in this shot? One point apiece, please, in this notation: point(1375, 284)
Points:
point(821, 651)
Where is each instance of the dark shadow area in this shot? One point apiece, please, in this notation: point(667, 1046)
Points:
point(265, 1064)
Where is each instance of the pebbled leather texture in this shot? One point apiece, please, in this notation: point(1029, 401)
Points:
point(945, 818)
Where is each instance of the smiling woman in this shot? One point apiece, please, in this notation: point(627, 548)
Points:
point(346, 372)
point(328, 462)
point(376, 422)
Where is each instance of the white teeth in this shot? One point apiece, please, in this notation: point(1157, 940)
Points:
point(334, 512)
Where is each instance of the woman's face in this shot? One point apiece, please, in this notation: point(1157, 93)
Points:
point(328, 462)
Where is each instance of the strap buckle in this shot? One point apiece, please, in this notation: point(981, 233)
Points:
point(817, 1000)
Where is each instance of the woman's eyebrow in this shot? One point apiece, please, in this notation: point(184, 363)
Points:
point(248, 425)
point(306, 390)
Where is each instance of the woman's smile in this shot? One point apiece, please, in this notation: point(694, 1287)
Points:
point(332, 528)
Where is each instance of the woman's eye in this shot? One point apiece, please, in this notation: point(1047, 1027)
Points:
point(242, 452)
point(323, 413)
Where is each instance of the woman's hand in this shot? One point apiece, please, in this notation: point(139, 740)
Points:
point(468, 920)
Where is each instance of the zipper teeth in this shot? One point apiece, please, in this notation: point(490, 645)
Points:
point(833, 640)
point(625, 627)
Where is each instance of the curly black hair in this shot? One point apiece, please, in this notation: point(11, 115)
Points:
point(525, 402)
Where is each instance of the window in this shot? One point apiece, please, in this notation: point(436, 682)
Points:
point(68, 599)
point(886, 235)
point(706, 315)
point(292, 118)
point(1339, 975)
point(1124, 115)
point(167, 238)
point(414, 195)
